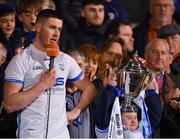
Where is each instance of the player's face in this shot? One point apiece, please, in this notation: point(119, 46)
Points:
point(7, 24)
point(50, 30)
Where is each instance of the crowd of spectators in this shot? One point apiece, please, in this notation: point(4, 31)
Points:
point(100, 36)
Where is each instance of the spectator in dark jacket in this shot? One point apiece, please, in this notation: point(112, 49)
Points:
point(106, 83)
point(171, 33)
point(10, 38)
point(161, 13)
point(157, 55)
point(91, 24)
point(170, 125)
point(70, 10)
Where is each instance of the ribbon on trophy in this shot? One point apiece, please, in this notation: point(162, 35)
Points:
point(115, 125)
point(145, 122)
point(146, 126)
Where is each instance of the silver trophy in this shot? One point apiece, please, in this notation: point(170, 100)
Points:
point(132, 76)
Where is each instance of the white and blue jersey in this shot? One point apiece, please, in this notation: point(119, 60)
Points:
point(26, 68)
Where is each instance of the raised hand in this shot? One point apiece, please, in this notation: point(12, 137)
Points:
point(109, 77)
point(175, 103)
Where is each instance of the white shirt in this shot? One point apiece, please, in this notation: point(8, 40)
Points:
point(26, 68)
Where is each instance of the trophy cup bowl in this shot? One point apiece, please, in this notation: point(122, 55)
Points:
point(131, 76)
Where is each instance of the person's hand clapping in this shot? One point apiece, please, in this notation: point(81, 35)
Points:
point(175, 100)
point(173, 93)
point(175, 104)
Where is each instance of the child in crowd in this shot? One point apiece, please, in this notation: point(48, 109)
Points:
point(92, 59)
point(10, 39)
point(9, 36)
point(7, 19)
point(27, 11)
point(131, 126)
point(81, 127)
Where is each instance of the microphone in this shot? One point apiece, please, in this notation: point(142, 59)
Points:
point(52, 51)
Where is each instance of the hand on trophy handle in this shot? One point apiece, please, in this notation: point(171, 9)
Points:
point(150, 82)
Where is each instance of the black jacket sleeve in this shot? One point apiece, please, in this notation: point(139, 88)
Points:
point(103, 104)
point(153, 103)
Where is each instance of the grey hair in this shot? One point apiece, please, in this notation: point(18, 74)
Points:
point(152, 1)
point(76, 53)
point(151, 43)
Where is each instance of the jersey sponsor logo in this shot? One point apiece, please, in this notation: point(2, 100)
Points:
point(60, 81)
point(56, 90)
point(37, 68)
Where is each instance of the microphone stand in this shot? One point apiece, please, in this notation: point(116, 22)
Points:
point(49, 98)
point(48, 110)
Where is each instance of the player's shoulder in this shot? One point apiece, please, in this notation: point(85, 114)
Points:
point(24, 53)
point(65, 56)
